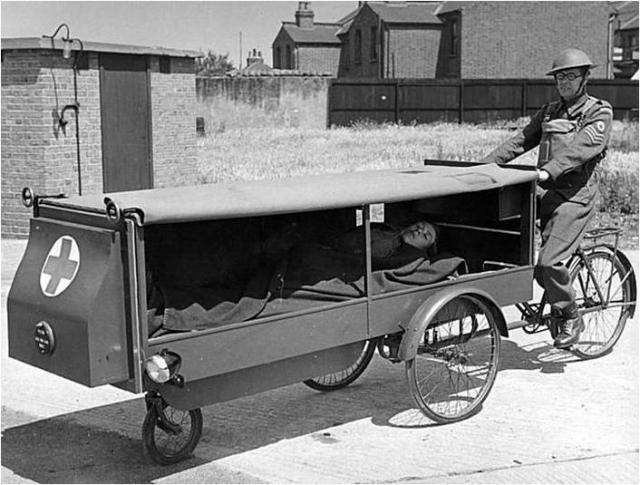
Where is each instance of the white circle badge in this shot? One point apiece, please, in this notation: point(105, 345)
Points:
point(60, 267)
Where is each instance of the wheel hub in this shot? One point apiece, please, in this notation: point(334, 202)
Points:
point(453, 356)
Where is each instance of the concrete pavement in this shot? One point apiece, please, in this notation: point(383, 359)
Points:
point(549, 419)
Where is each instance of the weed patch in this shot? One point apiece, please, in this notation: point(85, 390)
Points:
point(276, 150)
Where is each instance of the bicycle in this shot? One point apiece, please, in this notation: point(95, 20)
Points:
point(605, 285)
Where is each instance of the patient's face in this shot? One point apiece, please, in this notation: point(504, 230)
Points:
point(421, 235)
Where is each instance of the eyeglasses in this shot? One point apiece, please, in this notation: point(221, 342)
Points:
point(571, 76)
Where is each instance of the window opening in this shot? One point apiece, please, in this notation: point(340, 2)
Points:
point(455, 37)
point(165, 64)
point(374, 43)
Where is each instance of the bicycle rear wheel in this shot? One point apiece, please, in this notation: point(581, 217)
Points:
point(604, 321)
point(340, 379)
point(457, 361)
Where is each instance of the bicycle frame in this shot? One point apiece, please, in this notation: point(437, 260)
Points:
point(533, 313)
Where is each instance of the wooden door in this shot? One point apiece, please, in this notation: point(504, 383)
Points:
point(126, 123)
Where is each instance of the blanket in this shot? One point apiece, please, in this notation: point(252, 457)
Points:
point(310, 275)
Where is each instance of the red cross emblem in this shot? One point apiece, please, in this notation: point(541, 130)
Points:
point(60, 267)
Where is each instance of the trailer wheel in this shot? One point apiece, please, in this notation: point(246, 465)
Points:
point(457, 360)
point(340, 379)
point(170, 435)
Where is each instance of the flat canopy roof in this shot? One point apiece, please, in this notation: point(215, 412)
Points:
point(302, 194)
point(22, 43)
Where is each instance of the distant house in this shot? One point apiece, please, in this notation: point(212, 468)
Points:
point(305, 45)
point(385, 40)
point(470, 40)
point(625, 54)
point(257, 68)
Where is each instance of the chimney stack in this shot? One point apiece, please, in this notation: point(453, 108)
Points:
point(304, 16)
point(255, 56)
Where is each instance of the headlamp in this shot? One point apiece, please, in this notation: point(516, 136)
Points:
point(163, 366)
point(27, 197)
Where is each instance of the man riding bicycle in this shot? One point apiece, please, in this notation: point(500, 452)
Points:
point(572, 133)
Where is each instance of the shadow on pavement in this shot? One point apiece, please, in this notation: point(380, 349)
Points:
point(104, 444)
point(72, 449)
point(540, 355)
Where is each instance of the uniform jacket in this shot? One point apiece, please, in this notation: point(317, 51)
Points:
point(572, 138)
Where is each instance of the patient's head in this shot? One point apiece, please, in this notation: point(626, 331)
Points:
point(421, 235)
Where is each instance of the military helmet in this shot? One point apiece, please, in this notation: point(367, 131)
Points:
point(570, 58)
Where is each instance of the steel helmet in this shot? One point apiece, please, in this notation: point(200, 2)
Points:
point(570, 58)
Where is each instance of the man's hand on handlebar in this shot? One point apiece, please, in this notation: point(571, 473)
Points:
point(543, 176)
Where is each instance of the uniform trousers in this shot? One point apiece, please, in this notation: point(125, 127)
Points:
point(563, 223)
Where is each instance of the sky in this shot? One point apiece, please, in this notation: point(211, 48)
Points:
point(201, 26)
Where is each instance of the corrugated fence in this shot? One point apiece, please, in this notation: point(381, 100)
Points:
point(409, 101)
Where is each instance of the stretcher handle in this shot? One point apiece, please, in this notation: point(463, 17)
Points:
point(112, 210)
point(459, 163)
point(30, 198)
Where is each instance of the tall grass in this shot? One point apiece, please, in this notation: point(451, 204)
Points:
point(274, 150)
point(271, 151)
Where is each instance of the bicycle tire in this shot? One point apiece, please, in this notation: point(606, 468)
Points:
point(165, 447)
point(438, 374)
point(604, 326)
point(337, 380)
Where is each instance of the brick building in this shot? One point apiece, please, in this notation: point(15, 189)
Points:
point(135, 120)
point(305, 45)
point(391, 40)
point(625, 56)
point(470, 40)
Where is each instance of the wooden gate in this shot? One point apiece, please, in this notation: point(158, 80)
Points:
point(126, 125)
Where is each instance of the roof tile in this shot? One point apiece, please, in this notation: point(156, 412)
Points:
point(319, 34)
point(406, 13)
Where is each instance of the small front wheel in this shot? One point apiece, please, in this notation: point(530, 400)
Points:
point(170, 435)
point(457, 360)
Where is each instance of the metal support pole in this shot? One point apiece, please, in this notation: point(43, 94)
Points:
point(397, 101)
point(461, 103)
point(366, 221)
point(134, 303)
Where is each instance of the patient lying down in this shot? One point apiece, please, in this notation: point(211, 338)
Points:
point(388, 244)
point(312, 274)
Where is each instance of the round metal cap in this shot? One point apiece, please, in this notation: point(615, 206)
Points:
point(568, 59)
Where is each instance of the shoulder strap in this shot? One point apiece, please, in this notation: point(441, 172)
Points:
point(549, 108)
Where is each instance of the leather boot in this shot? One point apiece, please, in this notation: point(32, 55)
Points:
point(569, 328)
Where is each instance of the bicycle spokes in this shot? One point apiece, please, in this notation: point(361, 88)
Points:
point(603, 294)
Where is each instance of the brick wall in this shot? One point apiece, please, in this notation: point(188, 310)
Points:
point(38, 154)
point(319, 58)
point(448, 65)
point(520, 39)
point(366, 67)
point(408, 51)
point(279, 46)
point(415, 50)
point(35, 152)
point(237, 102)
point(499, 40)
point(173, 123)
